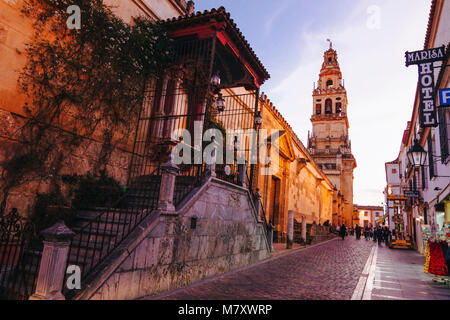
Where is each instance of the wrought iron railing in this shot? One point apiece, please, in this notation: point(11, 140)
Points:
point(20, 254)
point(105, 231)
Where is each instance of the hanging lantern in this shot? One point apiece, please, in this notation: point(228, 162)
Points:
point(258, 119)
point(417, 155)
point(220, 103)
point(215, 80)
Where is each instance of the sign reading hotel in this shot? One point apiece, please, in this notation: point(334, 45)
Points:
point(425, 59)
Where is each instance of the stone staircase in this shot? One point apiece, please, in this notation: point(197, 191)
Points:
point(98, 231)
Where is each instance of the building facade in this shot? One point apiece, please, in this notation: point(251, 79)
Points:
point(296, 182)
point(329, 143)
point(369, 216)
point(419, 197)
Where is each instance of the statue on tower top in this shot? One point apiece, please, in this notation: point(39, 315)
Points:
point(331, 43)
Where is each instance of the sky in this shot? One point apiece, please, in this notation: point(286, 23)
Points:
point(371, 38)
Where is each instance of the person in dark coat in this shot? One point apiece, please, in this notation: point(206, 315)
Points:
point(366, 233)
point(375, 234)
point(379, 235)
point(358, 232)
point(343, 231)
point(386, 235)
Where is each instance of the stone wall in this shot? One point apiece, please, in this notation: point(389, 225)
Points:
point(167, 252)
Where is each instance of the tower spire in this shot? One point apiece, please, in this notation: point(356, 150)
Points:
point(331, 43)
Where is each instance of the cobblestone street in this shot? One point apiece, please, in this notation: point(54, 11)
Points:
point(332, 270)
point(328, 271)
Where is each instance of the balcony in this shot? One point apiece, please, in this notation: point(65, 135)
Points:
point(329, 116)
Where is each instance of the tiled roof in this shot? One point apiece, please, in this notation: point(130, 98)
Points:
point(221, 14)
point(430, 23)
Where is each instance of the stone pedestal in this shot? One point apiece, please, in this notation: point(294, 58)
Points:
point(447, 211)
point(53, 263)
point(242, 169)
point(270, 238)
point(167, 188)
point(258, 204)
point(211, 163)
point(290, 235)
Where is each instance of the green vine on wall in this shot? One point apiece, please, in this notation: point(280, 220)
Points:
point(80, 83)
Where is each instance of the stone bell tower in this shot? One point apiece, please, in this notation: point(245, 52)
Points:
point(329, 143)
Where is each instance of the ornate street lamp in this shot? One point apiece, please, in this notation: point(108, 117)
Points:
point(417, 155)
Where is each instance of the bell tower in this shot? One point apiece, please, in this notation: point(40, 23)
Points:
point(329, 143)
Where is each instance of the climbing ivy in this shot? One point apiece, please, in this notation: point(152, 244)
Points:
point(80, 83)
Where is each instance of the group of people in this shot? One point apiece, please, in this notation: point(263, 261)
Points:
point(378, 234)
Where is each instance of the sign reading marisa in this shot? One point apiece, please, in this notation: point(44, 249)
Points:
point(422, 56)
point(425, 59)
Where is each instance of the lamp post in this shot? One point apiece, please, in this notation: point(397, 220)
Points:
point(416, 157)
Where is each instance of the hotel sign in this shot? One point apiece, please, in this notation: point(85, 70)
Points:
point(424, 59)
point(411, 194)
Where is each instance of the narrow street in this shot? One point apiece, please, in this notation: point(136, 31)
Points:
point(333, 270)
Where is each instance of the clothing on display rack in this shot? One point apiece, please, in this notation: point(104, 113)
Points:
point(437, 263)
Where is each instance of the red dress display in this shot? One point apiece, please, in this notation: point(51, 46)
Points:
point(437, 266)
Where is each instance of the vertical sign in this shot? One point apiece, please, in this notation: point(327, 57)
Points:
point(425, 59)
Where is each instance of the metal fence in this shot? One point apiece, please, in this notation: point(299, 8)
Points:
point(20, 255)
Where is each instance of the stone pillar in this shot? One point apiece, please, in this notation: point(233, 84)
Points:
point(447, 210)
point(304, 228)
point(167, 188)
point(258, 204)
point(242, 169)
point(211, 167)
point(52, 269)
point(290, 238)
point(270, 238)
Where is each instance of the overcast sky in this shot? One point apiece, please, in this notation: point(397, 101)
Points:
point(371, 38)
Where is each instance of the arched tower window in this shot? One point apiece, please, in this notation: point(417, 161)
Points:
point(318, 109)
point(329, 83)
point(338, 107)
point(328, 106)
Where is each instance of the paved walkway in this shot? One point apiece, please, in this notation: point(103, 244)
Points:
point(399, 275)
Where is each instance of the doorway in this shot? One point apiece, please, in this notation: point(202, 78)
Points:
point(275, 208)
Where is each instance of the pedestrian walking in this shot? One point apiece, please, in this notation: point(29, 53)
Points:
point(366, 233)
point(379, 235)
point(386, 235)
point(375, 234)
point(357, 232)
point(343, 231)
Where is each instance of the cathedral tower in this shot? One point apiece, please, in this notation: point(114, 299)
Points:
point(329, 143)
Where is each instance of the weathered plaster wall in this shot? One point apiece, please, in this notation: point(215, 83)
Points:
point(300, 191)
point(172, 254)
